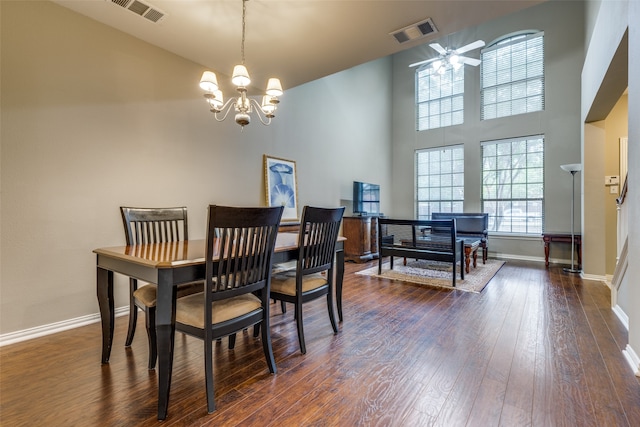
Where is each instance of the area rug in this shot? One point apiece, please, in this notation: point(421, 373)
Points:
point(437, 274)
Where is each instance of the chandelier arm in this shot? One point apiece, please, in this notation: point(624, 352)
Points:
point(227, 106)
point(260, 112)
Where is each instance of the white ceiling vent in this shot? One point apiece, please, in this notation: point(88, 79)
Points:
point(140, 8)
point(414, 31)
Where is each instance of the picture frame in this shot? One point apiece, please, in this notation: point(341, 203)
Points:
point(281, 185)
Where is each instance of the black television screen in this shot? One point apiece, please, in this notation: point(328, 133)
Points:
point(366, 198)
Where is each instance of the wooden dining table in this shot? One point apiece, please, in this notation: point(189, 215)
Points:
point(168, 265)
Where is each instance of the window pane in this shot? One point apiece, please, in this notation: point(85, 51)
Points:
point(439, 180)
point(513, 184)
point(439, 98)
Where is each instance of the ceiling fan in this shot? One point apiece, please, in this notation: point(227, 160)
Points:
point(451, 57)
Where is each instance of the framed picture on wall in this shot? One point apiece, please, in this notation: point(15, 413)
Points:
point(281, 187)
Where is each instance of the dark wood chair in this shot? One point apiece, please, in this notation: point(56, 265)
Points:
point(238, 262)
point(153, 225)
point(313, 276)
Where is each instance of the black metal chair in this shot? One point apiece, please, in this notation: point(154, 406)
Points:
point(238, 262)
point(313, 276)
point(153, 225)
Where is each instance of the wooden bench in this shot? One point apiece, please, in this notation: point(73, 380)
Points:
point(414, 239)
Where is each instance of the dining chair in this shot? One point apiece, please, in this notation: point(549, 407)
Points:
point(153, 225)
point(238, 262)
point(313, 276)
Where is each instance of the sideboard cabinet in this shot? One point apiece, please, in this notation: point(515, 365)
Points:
point(362, 238)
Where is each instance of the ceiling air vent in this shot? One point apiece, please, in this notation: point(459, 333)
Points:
point(414, 31)
point(140, 8)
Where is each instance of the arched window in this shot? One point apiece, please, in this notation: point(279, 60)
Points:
point(512, 75)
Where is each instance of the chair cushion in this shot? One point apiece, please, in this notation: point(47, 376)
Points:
point(285, 283)
point(190, 309)
point(147, 294)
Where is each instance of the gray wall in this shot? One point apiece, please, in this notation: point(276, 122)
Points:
point(616, 23)
point(563, 24)
point(93, 119)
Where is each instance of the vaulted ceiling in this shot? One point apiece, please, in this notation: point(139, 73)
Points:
point(295, 40)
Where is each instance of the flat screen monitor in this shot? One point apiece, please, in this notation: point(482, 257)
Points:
point(366, 198)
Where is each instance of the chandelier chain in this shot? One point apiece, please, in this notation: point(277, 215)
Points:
point(244, 12)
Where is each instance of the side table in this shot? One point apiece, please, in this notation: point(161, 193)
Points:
point(562, 238)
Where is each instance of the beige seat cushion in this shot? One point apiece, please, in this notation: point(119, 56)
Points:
point(190, 309)
point(286, 283)
point(147, 294)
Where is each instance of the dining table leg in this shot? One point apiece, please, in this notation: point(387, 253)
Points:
point(165, 332)
point(104, 288)
point(339, 278)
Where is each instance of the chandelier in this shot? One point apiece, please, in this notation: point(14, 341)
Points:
point(243, 105)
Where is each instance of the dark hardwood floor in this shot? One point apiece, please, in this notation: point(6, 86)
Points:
point(537, 347)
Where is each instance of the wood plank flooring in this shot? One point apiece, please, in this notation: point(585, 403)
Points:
point(537, 347)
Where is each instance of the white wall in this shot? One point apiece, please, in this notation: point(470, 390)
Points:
point(563, 25)
point(93, 119)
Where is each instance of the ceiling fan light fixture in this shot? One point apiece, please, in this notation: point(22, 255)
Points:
point(448, 57)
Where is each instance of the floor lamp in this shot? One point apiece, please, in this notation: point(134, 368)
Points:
point(572, 169)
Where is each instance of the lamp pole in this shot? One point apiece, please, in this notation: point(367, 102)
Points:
point(572, 269)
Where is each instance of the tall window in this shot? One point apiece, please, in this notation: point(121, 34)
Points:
point(513, 184)
point(439, 97)
point(513, 76)
point(439, 180)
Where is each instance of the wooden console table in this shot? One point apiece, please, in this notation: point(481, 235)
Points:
point(562, 238)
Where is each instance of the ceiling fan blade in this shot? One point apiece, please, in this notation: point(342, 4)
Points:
point(426, 61)
point(475, 45)
point(438, 48)
point(469, 61)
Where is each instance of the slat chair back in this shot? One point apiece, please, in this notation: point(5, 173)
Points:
point(240, 243)
point(155, 225)
point(318, 242)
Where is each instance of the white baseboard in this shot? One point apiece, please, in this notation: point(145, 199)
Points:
point(516, 257)
point(632, 359)
point(609, 280)
point(52, 328)
point(622, 316)
point(595, 277)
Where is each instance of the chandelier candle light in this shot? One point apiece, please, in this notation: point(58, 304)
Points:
point(243, 105)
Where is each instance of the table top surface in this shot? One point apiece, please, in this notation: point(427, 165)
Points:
point(181, 253)
point(560, 235)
